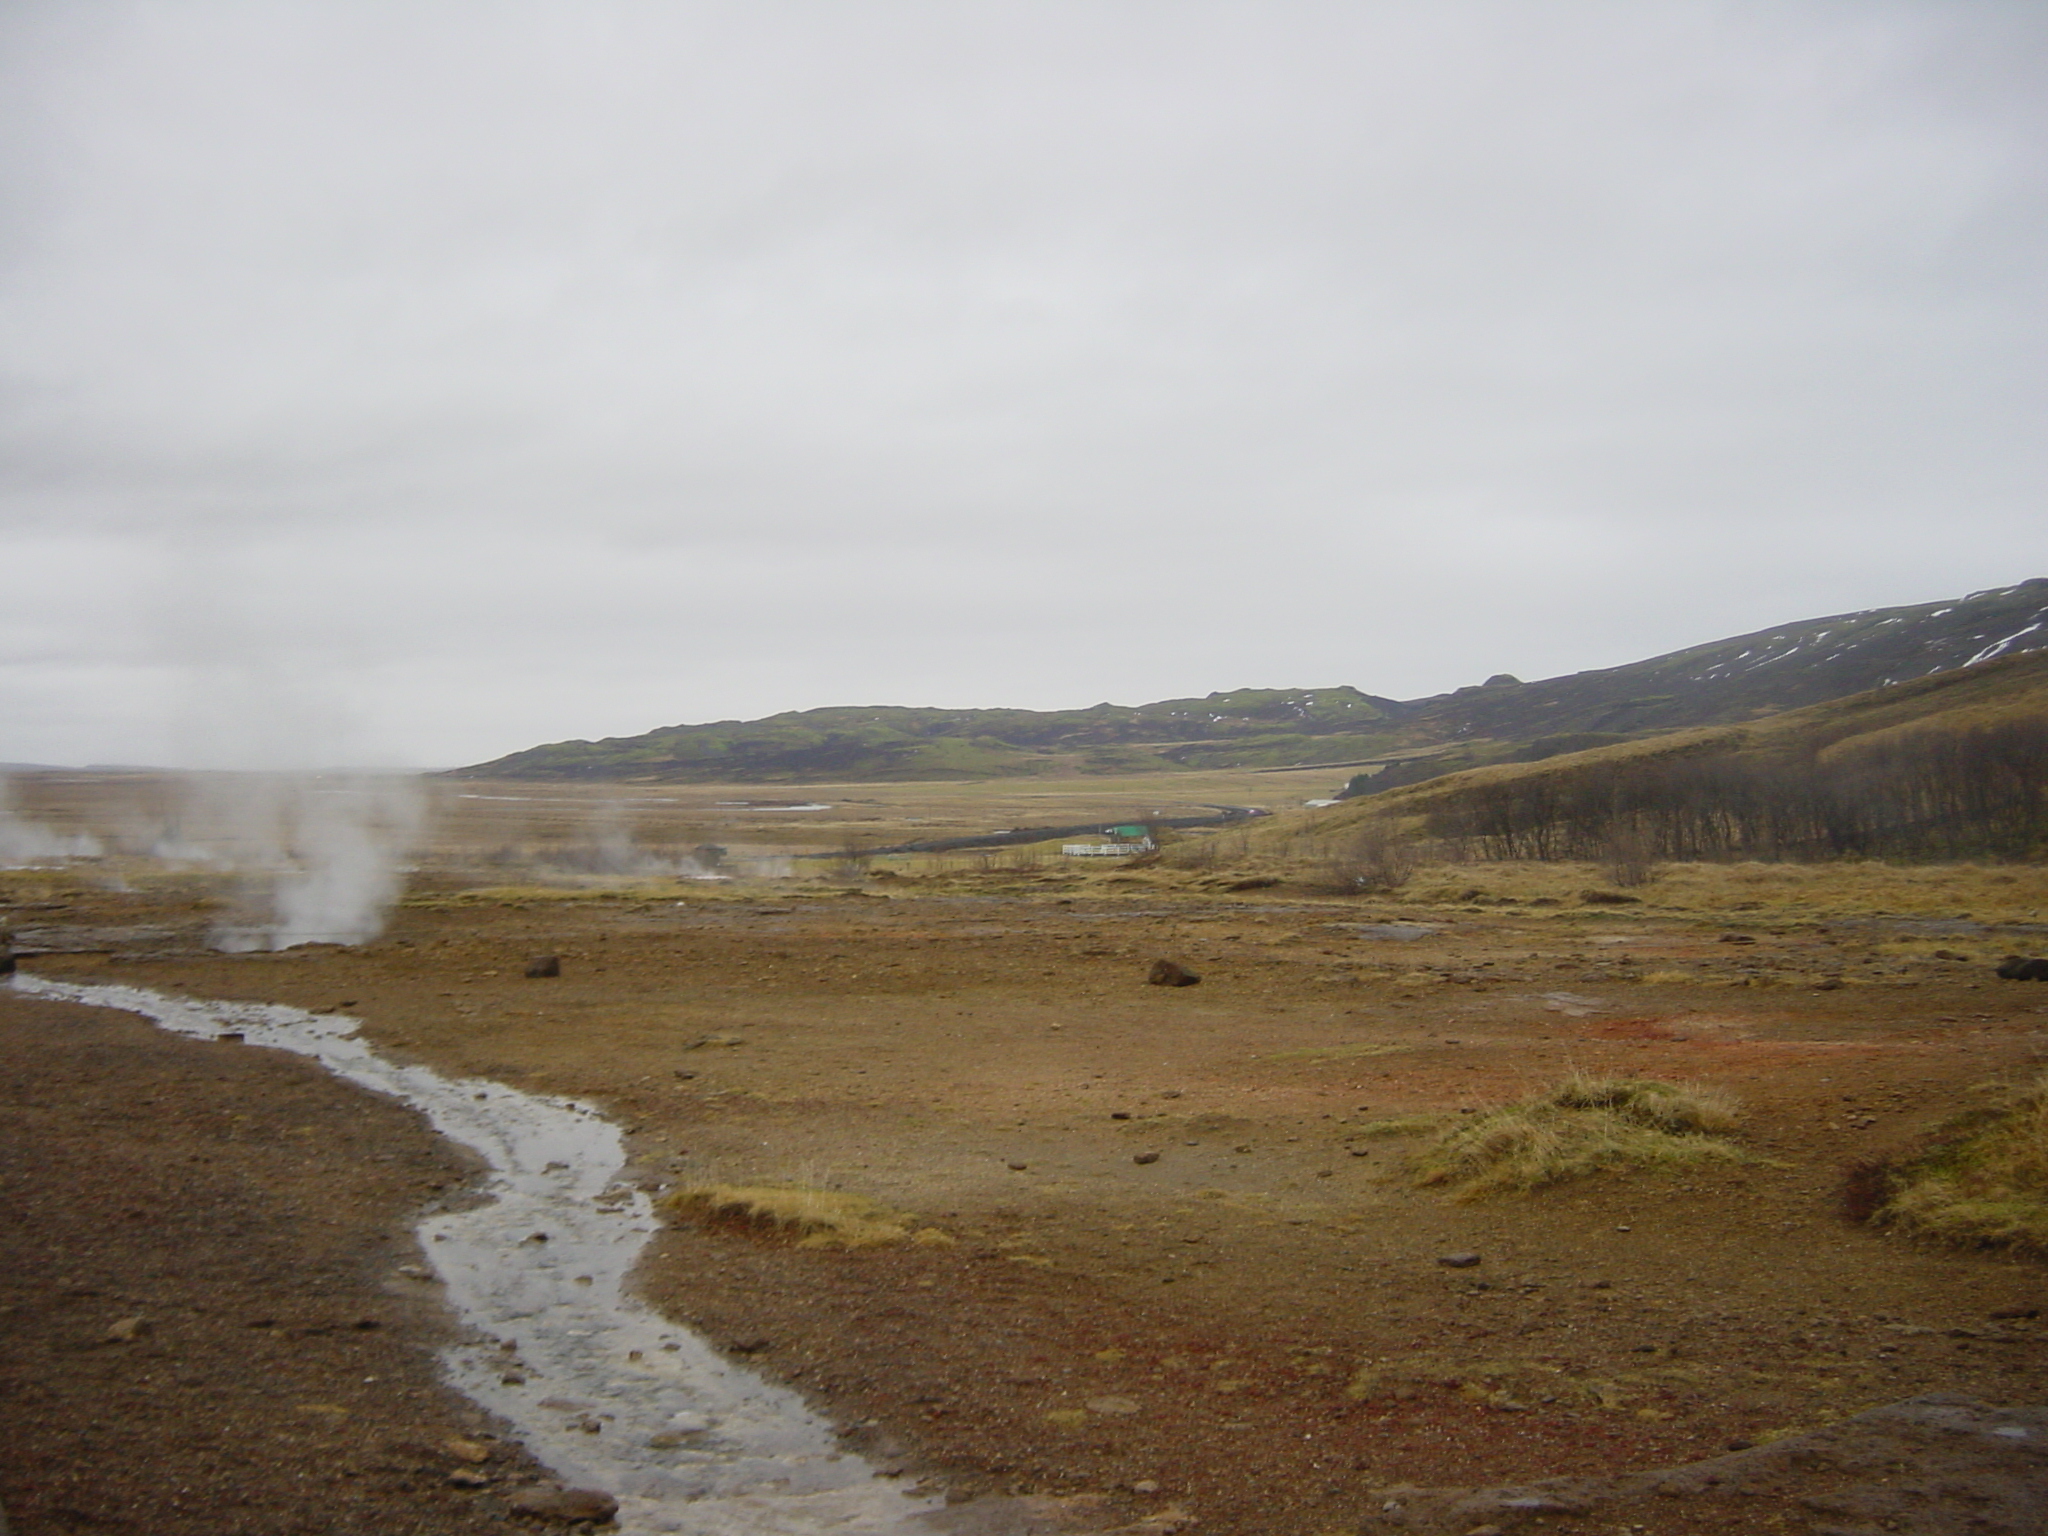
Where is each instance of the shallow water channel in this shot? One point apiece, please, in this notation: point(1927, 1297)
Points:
point(603, 1391)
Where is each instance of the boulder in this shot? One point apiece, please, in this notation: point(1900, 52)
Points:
point(544, 965)
point(2019, 969)
point(1169, 973)
point(570, 1506)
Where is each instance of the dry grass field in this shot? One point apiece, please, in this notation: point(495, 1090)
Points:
point(1177, 1249)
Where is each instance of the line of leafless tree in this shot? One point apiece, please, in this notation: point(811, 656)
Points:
point(1931, 794)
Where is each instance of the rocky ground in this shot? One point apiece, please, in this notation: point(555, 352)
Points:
point(1186, 1279)
point(208, 1326)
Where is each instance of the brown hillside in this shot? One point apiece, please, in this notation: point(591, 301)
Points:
point(1988, 694)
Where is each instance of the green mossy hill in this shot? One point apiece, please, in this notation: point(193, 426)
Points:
point(1251, 726)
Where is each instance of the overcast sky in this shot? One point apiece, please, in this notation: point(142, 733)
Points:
point(413, 382)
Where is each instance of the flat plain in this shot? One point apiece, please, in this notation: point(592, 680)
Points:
point(1176, 1262)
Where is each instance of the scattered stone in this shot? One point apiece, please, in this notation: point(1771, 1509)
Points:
point(127, 1330)
point(1119, 1114)
point(229, 1037)
point(1144, 1158)
point(1939, 1464)
point(464, 1477)
point(464, 1449)
point(1145, 1485)
point(1116, 1407)
point(1458, 1260)
point(571, 1506)
point(1738, 938)
point(1169, 973)
point(752, 1346)
point(544, 965)
point(1017, 1167)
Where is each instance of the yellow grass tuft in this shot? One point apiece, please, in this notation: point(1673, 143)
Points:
point(1983, 1182)
point(812, 1218)
point(1584, 1125)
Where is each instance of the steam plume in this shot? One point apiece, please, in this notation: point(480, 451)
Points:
point(322, 856)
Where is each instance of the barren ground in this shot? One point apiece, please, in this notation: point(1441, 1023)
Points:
point(1254, 1327)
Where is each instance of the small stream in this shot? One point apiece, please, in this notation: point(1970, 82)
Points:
point(603, 1391)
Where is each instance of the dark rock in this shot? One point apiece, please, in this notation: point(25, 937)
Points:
point(1458, 1260)
point(2018, 969)
point(1938, 1465)
point(1145, 1157)
point(6, 960)
point(544, 965)
point(1169, 973)
point(571, 1506)
point(1608, 899)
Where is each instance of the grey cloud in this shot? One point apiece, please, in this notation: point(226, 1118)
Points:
point(516, 371)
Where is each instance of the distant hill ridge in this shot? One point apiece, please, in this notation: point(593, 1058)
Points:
point(1725, 681)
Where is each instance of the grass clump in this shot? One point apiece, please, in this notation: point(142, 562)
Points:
point(1584, 1125)
point(1982, 1182)
point(811, 1218)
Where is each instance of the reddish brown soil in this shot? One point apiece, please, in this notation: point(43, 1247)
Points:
point(1254, 1327)
point(242, 1215)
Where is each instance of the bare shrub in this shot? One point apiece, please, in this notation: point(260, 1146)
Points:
point(1368, 859)
point(1629, 859)
point(850, 867)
